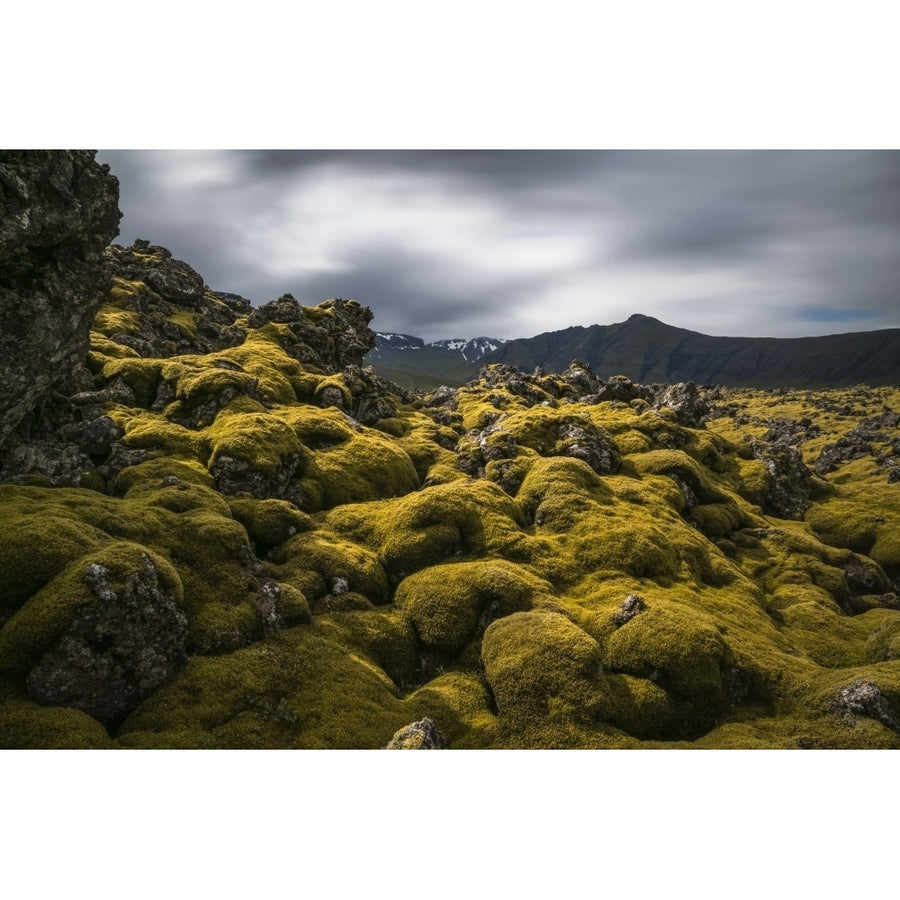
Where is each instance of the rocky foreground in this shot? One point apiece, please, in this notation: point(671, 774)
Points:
point(218, 529)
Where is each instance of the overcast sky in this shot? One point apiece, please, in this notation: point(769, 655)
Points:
point(444, 244)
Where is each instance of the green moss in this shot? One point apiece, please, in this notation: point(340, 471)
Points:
point(448, 604)
point(269, 522)
point(299, 689)
point(314, 562)
point(640, 707)
point(332, 391)
point(274, 370)
point(198, 379)
point(260, 439)
point(845, 524)
point(124, 292)
point(26, 726)
point(460, 706)
point(221, 627)
point(715, 520)
point(886, 549)
point(678, 648)
point(319, 429)
point(827, 636)
point(141, 375)
point(436, 523)
point(153, 471)
point(152, 431)
point(221, 610)
point(540, 666)
point(293, 607)
point(367, 467)
point(186, 323)
point(677, 462)
point(111, 320)
point(41, 621)
point(37, 541)
point(384, 636)
point(883, 643)
point(755, 480)
point(393, 426)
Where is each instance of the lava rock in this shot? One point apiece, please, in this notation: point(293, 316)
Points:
point(58, 211)
point(421, 735)
point(115, 652)
point(631, 606)
point(865, 699)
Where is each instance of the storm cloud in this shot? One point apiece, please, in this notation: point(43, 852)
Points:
point(512, 243)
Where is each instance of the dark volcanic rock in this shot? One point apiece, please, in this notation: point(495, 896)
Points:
point(690, 406)
point(176, 311)
point(587, 442)
point(331, 335)
point(858, 443)
point(864, 699)
point(421, 735)
point(788, 496)
point(58, 211)
point(115, 652)
point(631, 606)
point(170, 278)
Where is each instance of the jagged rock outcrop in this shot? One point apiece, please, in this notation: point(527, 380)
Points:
point(160, 307)
point(333, 334)
point(865, 699)
point(58, 211)
point(860, 441)
point(116, 651)
point(790, 483)
point(157, 307)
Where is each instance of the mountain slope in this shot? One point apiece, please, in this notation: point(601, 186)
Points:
point(647, 350)
point(412, 363)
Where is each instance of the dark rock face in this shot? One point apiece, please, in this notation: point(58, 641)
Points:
point(236, 476)
point(864, 699)
point(788, 497)
point(631, 606)
point(58, 211)
point(421, 735)
point(690, 406)
point(589, 444)
point(149, 281)
point(858, 443)
point(331, 335)
point(117, 651)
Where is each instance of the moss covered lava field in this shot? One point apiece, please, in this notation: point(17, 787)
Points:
point(251, 544)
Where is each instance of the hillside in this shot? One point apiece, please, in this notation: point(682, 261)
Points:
point(649, 351)
point(413, 364)
point(218, 529)
point(645, 349)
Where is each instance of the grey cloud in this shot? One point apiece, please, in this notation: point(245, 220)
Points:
point(814, 235)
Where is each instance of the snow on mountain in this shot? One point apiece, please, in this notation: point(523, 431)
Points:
point(471, 350)
point(386, 340)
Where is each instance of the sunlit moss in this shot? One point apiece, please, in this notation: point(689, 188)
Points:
point(446, 604)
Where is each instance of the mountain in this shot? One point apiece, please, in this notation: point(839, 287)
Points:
point(412, 363)
point(472, 350)
point(649, 351)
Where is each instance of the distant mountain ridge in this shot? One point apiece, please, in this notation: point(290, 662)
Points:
point(412, 363)
point(647, 350)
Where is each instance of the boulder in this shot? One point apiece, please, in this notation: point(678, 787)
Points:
point(421, 735)
point(116, 651)
point(58, 211)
